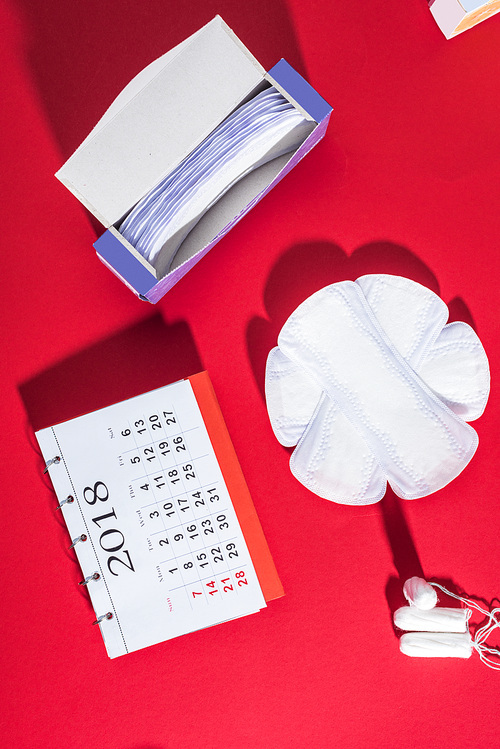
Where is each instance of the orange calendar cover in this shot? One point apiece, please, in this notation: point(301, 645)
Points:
point(237, 487)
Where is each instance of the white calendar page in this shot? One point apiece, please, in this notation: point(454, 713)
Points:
point(159, 525)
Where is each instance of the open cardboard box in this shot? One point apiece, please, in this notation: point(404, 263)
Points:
point(156, 121)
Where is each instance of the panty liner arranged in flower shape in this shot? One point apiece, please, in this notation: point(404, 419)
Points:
point(372, 386)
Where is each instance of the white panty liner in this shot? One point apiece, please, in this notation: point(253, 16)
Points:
point(265, 127)
point(372, 386)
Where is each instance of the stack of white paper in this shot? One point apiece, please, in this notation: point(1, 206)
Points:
point(264, 128)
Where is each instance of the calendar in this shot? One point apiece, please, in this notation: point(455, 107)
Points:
point(159, 516)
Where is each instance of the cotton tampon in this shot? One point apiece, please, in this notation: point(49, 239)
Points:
point(436, 645)
point(420, 593)
point(413, 619)
point(425, 637)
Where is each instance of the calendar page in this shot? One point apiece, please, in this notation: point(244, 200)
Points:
point(151, 518)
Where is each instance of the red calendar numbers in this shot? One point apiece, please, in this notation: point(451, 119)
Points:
point(227, 584)
point(213, 589)
point(240, 576)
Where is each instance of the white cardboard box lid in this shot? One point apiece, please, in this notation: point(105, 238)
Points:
point(163, 113)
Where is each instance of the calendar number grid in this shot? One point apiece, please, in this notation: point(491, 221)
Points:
point(223, 583)
point(181, 519)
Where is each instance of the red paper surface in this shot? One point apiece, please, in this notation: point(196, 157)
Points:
point(406, 181)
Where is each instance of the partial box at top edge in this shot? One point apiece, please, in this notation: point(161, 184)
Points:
point(142, 137)
point(455, 16)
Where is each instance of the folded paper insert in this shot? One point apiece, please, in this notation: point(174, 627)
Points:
point(142, 138)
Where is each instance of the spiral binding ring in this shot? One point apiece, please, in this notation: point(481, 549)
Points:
point(83, 537)
point(52, 461)
point(99, 619)
point(69, 499)
point(95, 576)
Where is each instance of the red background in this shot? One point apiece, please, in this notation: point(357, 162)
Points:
point(405, 182)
